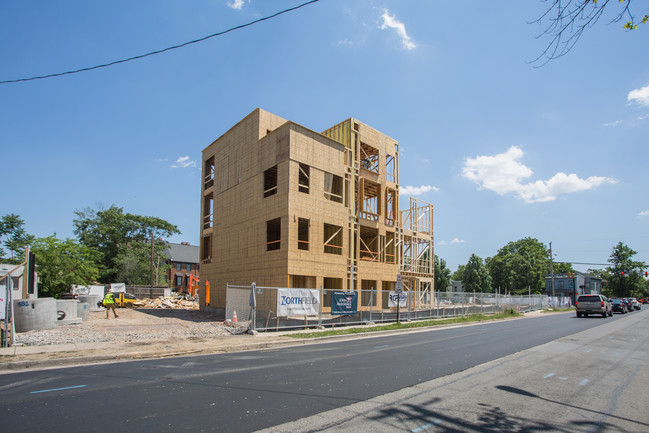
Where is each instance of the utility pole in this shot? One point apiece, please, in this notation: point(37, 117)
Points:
point(152, 259)
point(552, 269)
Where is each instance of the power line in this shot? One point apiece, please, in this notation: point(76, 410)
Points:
point(141, 56)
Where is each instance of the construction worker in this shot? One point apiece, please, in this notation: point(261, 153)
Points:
point(109, 303)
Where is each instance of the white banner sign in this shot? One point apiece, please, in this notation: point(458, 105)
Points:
point(118, 287)
point(395, 297)
point(297, 302)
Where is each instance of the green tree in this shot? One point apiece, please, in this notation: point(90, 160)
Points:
point(133, 263)
point(14, 238)
point(475, 277)
point(112, 232)
point(567, 20)
point(519, 265)
point(625, 274)
point(458, 275)
point(61, 263)
point(442, 275)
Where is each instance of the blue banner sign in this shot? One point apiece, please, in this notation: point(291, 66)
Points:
point(344, 303)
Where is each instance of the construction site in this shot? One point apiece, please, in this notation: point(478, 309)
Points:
point(288, 207)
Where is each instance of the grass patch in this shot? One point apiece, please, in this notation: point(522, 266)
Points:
point(409, 325)
point(559, 310)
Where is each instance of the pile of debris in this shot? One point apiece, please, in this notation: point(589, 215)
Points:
point(173, 302)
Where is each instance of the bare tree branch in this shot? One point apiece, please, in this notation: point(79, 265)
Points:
point(568, 19)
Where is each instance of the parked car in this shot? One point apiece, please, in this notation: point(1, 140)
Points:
point(635, 303)
point(618, 306)
point(629, 305)
point(593, 304)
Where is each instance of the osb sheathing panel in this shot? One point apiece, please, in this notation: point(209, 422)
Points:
point(240, 210)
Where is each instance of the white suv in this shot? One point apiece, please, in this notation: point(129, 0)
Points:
point(593, 304)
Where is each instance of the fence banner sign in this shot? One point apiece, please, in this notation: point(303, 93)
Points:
point(118, 287)
point(344, 303)
point(401, 298)
point(297, 302)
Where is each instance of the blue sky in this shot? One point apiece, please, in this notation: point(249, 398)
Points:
point(502, 149)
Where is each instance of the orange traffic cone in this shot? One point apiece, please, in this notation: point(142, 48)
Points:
point(234, 317)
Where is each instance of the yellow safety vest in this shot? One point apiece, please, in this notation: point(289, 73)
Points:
point(109, 299)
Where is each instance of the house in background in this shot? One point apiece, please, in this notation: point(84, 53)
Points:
point(573, 284)
point(183, 262)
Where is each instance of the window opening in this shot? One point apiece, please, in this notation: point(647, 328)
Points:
point(333, 189)
point(368, 293)
point(370, 200)
point(273, 234)
point(209, 173)
point(333, 239)
point(390, 164)
point(302, 234)
point(270, 181)
point(369, 250)
point(369, 158)
point(208, 212)
point(329, 285)
point(390, 206)
point(207, 247)
point(390, 248)
point(303, 181)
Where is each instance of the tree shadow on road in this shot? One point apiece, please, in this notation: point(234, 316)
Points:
point(488, 418)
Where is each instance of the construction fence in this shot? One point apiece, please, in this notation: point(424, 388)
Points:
point(276, 309)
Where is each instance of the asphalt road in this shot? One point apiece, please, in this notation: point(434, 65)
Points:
point(242, 392)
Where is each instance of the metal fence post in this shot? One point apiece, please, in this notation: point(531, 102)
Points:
point(253, 302)
point(371, 301)
point(320, 307)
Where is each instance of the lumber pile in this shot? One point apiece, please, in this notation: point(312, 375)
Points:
point(172, 302)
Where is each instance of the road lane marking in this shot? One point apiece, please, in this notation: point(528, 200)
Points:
point(548, 375)
point(562, 378)
point(382, 347)
point(57, 389)
point(426, 426)
point(583, 382)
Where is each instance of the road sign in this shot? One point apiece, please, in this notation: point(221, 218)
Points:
point(398, 287)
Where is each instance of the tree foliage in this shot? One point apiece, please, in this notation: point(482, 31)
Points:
point(133, 263)
point(442, 275)
point(475, 277)
point(61, 263)
point(625, 275)
point(13, 237)
point(566, 21)
point(119, 238)
point(520, 265)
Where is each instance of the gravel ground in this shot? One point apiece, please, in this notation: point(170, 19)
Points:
point(132, 325)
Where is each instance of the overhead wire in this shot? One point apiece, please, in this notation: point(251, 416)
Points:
point(141, 56)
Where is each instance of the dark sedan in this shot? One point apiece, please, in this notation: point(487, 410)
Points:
point(618, 306)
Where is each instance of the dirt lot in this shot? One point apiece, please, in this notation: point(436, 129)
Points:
point(136, 333)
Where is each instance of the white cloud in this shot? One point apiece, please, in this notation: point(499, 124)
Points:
point(644, 213)
point(392, 23)
point(416, 190)
point(183, 162)
point(613, 124)
point(504, 174)
point(641, 96)
point(236, 4)
point(454, 241)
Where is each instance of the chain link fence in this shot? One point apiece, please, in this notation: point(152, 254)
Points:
point(277, 309)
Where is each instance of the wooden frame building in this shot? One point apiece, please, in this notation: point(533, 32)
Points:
point(285, 206)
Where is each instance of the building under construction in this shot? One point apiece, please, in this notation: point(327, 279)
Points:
point(285, 206)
